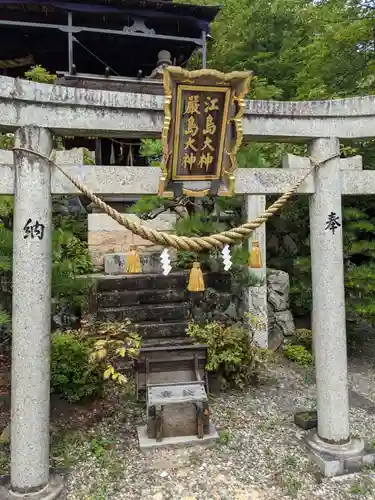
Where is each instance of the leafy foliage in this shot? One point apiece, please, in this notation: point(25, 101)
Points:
point(6, 141)
point(146, 204)
point(83, 359)
point(72, 375)
point(304, 337)
point(151, 149)
point(299, 354)
point(231, 352)
point(39, 74)
point(70, 261)
point(5, 320)
point(116, 341)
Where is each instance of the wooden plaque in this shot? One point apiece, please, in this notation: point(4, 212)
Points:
point(202, 130)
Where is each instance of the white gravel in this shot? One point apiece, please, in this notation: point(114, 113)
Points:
point(260, 456)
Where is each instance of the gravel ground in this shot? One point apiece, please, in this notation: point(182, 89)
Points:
point(259, 456)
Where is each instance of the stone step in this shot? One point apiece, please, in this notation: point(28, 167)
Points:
point(174, 331)
point(142, 281)
point(141, 313)
point(179, 280)
point(136, 297)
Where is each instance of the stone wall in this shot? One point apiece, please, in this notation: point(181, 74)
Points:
point(280, 318)
point(107, 236)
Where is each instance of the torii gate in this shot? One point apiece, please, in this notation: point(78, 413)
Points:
point(37, 111)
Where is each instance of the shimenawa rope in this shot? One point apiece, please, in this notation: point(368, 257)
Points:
point(197, 243)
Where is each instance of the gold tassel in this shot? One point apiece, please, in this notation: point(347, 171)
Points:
point(133, 265)
point(196, 281)
point(255, 258)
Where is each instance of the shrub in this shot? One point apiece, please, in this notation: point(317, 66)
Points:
point(39, 74)
point(70, 261)
point(299, 354)
point(73, 376)
point(114, 341)
point(304, 337)
point(231, 352)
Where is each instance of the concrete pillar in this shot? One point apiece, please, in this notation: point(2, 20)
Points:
point(257, 295)
point(328, 314)
point(32, 257)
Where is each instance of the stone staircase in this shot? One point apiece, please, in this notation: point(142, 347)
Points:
point(157, 305)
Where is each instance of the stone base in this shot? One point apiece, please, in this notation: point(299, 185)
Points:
point(339, 459)
point(146, 444)
point(55, 490)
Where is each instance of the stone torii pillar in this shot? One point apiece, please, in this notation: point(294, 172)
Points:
point(31, 319)
point(257, 295)
point(332, 445)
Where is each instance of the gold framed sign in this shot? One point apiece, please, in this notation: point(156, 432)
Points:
point(202, 130)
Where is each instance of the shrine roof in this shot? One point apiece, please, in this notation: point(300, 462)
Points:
point(37, 30)
point(167, 9)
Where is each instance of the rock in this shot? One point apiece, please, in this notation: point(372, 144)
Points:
point(275, 333)
point(278, 289)
point(285, 322)
point(280, 319)
point(232, 312)
point(275, 338)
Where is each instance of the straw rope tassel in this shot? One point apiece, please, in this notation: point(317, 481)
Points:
point(196, 281)
point(198, 243)
point(255, 258)
point(133, 265)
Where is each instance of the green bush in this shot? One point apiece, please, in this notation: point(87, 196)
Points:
point(39, 74)
point(73, 376)
point(304, 338)
point(231, 352)
point(70, 260)
point(299, 354)
point(113, 342)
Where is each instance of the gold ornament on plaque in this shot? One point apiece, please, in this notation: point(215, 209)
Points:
point(202, 132)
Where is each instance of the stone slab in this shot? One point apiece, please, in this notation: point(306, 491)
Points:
point(115, 263)
point(106, 236)
point(118, 180)
point(140, 282)
point(357, 182)
point(146, 444)
point(331, 466)
point(137, 297)
point(179, 419)
point(88, 112)
point(339, 459)
point(55, 490)
point(103, 222)
point(357, 400)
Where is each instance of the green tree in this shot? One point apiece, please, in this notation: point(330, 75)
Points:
point(306, 49)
